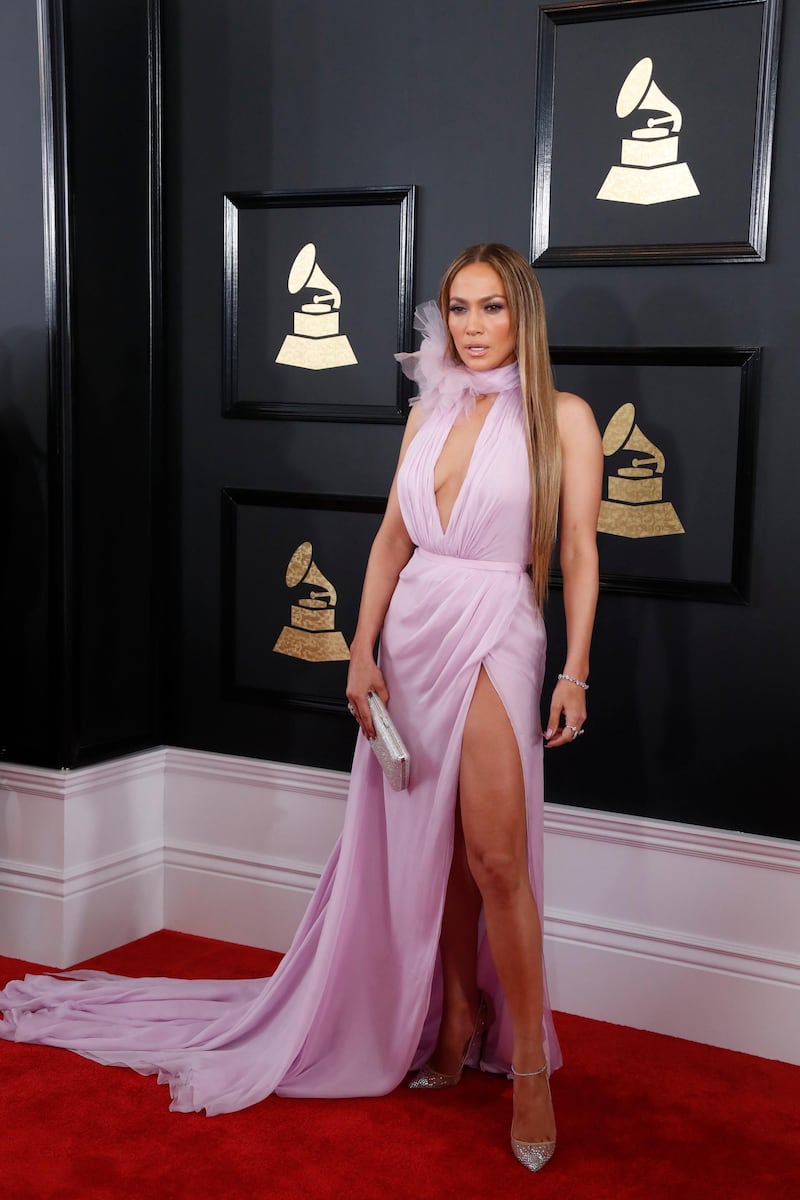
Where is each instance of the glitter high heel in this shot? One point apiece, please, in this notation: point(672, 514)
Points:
point(533, 1155)
point(428, 1077)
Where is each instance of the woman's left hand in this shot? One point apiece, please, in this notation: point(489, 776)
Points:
point(567, 715)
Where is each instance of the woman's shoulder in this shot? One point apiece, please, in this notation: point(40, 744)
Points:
point(572, 409)
point(416, 416)
point(568, 404)
point(414, 420)
point(575, 417)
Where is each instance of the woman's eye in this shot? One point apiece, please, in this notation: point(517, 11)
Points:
point(493, 308)
point(456, 308)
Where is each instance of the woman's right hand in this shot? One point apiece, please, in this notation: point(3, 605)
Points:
point(363, 676)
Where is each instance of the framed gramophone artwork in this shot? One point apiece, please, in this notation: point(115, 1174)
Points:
point(654, 126)
point(292, 569)
point(678, 429)
point(318, 297)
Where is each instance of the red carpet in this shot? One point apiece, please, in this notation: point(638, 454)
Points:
point(640, 1115)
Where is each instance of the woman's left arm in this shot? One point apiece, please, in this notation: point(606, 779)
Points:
point(581, 484)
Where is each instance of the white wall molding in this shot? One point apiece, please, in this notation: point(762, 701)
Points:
point(692, 841)
point(254, 869)
point(286, 777)
point(44, 781)
point(669, 947)
point(680, 929)
point(81, 858)
point(74, 881)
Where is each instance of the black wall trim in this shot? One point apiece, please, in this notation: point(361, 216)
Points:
point(58, 304)
point(76, 419)
point(160, 527)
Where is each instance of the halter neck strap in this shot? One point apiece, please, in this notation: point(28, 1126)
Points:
point(445, 384)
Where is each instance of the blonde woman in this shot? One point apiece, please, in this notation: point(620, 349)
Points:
point(493, 461)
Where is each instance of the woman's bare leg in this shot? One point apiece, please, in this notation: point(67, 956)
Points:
point(459, 950)
point(492, 802)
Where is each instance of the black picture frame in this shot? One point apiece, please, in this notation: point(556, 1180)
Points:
point(697, 407)
point(261, 531)
point(726, 141)
point(364, 239)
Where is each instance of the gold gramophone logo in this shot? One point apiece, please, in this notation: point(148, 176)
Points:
point(649, 172)
point(635, 507)
point(312, 634)
point(316, 342)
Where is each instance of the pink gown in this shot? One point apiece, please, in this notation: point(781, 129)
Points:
point(356, 1000)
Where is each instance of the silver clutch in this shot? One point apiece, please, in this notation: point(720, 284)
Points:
point(387, 745)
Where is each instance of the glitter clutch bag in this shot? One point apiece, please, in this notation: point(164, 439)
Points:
point(387, 745)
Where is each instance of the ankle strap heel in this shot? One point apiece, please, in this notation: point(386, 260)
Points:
point(532, 1155)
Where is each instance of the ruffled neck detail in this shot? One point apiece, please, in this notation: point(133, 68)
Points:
point(442, 383)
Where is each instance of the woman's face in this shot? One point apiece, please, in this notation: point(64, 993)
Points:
point(479, 319)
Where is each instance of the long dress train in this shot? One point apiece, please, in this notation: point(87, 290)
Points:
point(356, 1001)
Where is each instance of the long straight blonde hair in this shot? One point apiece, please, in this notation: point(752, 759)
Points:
point(526, 306)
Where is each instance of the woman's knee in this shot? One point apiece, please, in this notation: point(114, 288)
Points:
point(499, 871)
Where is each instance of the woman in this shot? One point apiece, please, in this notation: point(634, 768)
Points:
point(544, 457)
point(391, 968)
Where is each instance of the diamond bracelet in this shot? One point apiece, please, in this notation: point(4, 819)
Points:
point(580, 682)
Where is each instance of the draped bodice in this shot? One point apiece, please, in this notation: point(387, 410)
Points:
point(491, 516)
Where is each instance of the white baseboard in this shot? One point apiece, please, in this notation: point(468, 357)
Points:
point(679, 929)
point(81, 858)
point(245, 842)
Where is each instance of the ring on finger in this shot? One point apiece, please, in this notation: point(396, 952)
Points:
point(576, 732)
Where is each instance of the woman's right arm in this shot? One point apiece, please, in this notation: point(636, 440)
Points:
point(391, 550)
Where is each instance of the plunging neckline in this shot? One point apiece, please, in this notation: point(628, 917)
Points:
point(445, 528)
